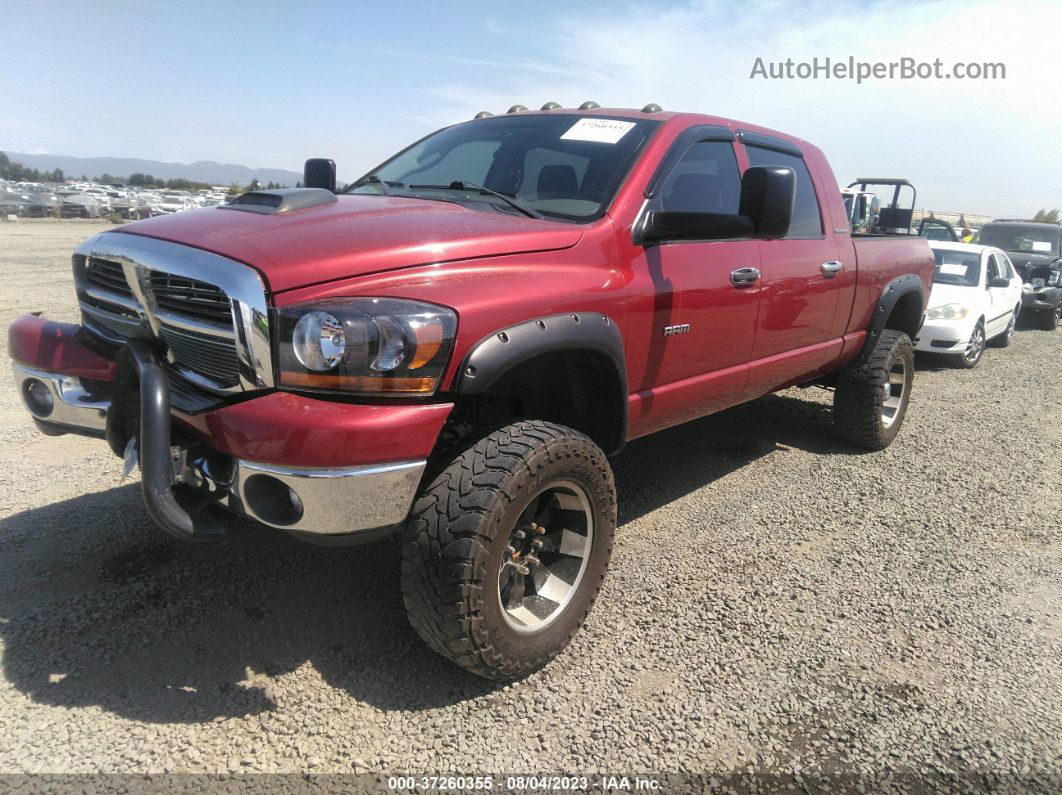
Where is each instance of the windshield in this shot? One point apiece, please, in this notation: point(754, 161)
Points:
point(957, 267)
point(1031, 238)
point(934, 232)
point(561, 166)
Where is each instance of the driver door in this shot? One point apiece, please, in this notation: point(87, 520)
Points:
point(692, 321)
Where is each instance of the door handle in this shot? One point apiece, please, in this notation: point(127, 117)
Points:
point(831, 268)
point(744, 276)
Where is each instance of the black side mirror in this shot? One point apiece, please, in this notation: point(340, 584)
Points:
point(766, 209)
point(999, 281)
point(319, 172)
point(661, 227)
point(767, 196)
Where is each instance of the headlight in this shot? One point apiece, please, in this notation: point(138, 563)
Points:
point(948, 312)
point(365, 346)
point(1053, 278)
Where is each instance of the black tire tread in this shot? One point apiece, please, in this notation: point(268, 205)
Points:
point(858, 397)
point(444, 555)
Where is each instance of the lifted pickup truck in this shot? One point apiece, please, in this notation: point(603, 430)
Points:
point(452, 346)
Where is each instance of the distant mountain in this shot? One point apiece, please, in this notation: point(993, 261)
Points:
point(200, 171)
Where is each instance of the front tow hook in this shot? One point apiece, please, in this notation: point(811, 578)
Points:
point(156, 468)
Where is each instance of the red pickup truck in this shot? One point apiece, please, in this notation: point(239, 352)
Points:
point(453, 345)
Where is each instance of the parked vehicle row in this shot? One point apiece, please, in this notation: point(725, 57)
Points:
point(92, 200)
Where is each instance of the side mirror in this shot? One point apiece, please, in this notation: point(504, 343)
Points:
point(767, 197)
point(999, 281)
point(661, 227)
point(319, 172)
point(766, 209)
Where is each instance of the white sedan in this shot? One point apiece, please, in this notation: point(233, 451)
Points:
point(976, 298)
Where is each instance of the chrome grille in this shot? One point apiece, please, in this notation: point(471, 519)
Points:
point(108, 275)
point(194, 303)
point(191, 298)
point(212, 357)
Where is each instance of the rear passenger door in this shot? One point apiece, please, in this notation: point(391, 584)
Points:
point(799, 286)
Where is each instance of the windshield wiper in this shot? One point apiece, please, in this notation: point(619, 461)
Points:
point(465, 185)
point(372, 179)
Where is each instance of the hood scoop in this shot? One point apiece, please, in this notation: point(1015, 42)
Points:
point(269, 202)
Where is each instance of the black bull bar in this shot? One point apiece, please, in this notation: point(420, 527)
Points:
point(139, 372)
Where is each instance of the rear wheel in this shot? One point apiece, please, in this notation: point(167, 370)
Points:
point(975, 348)
point(506, 548)
point(871, 398)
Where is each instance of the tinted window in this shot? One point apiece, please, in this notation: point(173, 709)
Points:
point(807, 221)
point(705, 180)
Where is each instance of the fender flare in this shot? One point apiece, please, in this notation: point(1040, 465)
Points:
point(890, 296)
point(495, 355)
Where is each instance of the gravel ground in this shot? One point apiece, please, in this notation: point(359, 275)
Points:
point(780, 608)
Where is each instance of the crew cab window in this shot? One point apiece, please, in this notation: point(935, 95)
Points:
point(807, 218)
point(705, 180)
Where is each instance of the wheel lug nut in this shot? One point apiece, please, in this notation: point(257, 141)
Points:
point(519, 535)
point(532, 560)
point(537, 543)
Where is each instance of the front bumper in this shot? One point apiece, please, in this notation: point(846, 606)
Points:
point(1043, 300)
point(944, 336)
point(371, 457)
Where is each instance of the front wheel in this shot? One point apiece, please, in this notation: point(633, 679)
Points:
point(505, 550)
point(974, 350)
point(1050, 319)
point(871, 398)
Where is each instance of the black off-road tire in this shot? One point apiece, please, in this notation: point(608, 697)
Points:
point(457, 533)
point(1007, 337)
point(1048, 321)
point(860, 396)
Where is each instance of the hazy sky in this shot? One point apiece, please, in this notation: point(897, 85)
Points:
point(271, 83)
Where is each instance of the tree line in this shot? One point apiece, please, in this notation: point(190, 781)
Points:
point(12, 170)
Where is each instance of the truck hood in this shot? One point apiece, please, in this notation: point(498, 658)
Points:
point(355, 235)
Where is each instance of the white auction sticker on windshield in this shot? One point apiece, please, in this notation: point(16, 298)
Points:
point(1039, 245)
point(602, 131)
point(954, 270)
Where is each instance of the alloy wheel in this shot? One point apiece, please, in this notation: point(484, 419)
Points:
point(545, 557)
point(976, 346)
point(895, 390)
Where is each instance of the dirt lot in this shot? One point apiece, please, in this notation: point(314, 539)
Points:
point(781, 608)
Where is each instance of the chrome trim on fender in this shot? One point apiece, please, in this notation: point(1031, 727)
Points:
point(244, 288)
point(339, 501)
point(71, 405)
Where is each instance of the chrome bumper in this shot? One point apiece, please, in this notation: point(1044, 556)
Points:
point(319, 502)
point(60, 400)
